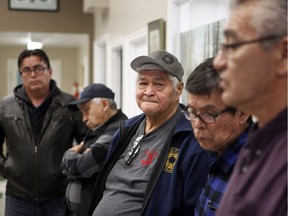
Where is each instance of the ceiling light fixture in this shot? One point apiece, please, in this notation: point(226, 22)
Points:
point(33, 44)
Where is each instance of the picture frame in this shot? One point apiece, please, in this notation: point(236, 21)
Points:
point(34, 5)
point(156, 35)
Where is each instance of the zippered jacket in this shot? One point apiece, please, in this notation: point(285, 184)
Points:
point(179, 175)
point(82, 169)
point(32, 166)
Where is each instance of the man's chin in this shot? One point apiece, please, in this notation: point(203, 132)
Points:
point(227, 98)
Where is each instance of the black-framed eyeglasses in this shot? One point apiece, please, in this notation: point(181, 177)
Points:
point(205, 117)
point(228, 47)
point(38, 69)
point(131, 154)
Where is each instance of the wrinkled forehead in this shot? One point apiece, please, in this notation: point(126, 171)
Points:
point(205, 101)
point(239, 23)
point(153, 74)
point(85, 105)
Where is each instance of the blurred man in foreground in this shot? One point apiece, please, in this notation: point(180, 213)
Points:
point(253, 65)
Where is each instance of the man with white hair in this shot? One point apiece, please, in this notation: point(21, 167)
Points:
point(83, 162)
point(155, 165)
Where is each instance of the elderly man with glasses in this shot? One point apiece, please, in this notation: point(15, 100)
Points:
point(220, 129)
point(155, 165)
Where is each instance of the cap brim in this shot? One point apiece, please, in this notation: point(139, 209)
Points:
point(142, 60)
point(73, 105)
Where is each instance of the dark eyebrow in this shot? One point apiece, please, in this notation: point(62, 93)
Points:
point(35, 66)
point(230, 33)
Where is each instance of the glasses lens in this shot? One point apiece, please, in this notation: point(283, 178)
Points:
point(26, 72)
point(205, 117)
point(128, 157)
point(192, 116)
point(187, 114)
point(38, 69)
point(131, 154)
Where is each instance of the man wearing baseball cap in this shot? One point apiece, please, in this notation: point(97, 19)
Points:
point(83, 162)
point(155, 165)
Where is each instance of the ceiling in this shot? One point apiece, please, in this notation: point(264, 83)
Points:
point(48, 39)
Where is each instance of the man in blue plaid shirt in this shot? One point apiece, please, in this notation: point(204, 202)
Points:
point(220, 129)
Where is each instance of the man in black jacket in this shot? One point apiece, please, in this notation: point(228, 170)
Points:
point(37, 128)
point(83, 162)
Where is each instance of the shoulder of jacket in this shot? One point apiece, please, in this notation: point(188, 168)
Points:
point(134, 120)
point(9, 100)
point(65, 96)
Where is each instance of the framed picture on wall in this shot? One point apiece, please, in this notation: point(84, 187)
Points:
point(156, 35)
point(34, 5)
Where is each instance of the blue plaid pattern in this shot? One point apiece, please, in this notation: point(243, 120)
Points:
point(219, 173)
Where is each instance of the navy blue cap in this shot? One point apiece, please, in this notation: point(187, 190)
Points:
point(95, 90)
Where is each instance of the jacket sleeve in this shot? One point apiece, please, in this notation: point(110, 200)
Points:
point(85, 165)
point(2, 157)
point(75, 165)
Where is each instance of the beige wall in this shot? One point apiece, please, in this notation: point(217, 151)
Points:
point(69, 64)
point(69, 19)
point(67, 56)
point(6, 53)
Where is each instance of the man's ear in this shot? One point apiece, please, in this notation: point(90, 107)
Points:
point(105, 104)
point(50, 71)
point(180, 87)
point(243, 117)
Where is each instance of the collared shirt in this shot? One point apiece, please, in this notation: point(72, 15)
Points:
point(219, 173)
point(258, 185)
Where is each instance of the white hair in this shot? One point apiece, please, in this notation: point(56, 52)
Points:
point(111, 102)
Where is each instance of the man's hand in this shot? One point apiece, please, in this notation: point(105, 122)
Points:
point(77, 148)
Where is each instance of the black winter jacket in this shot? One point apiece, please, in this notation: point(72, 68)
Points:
point(32, 166)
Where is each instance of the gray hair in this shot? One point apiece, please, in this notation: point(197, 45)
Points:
point(270, 18)
point(175, 82)
point(111, 102)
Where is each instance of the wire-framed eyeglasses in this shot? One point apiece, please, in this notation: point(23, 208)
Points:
point(38, 69)
point(131, 154)
point(205, 117)
point(227, 48)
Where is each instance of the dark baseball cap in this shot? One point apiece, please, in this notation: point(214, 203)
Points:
point(95, 90)
point(159, 60)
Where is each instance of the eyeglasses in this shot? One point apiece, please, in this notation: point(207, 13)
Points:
point(227, 48)
point(131, 154)
point(38, 69)
point(206, 117)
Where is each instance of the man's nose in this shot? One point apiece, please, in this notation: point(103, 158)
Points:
point(150, 89)
point(220, 62)
point(198, 123)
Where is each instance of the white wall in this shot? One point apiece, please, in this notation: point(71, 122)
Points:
point(122, 25)
point(2, 196)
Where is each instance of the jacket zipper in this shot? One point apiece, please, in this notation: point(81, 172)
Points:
point(36, 166)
